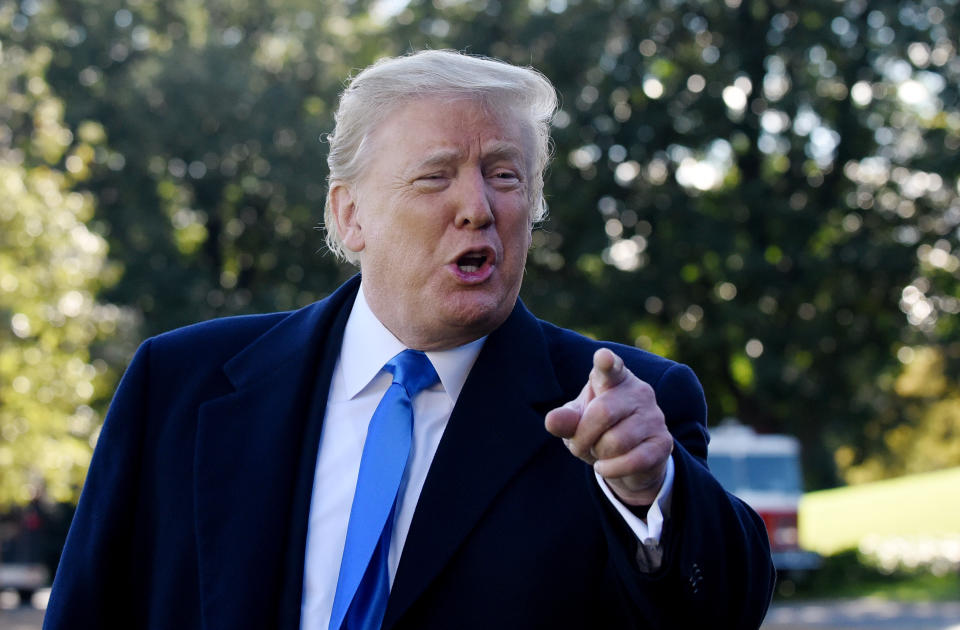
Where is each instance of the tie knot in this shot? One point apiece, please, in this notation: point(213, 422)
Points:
point(413, 371)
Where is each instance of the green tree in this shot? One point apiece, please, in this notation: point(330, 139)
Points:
point(927, 440)
point(51, 268)
point(212, 187)
point(203, 174)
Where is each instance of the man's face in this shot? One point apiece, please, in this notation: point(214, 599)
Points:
point(441, 221)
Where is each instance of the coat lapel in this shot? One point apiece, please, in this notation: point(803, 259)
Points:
point(496, 426)
point(249, 445)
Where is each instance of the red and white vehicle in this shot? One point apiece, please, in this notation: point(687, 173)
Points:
point(764, 471)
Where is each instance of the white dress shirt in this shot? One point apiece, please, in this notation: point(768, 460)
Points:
point(357, 385)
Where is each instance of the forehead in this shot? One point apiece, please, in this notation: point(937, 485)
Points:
point(429, 128)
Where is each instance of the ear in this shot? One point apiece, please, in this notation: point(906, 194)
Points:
point(343, 203)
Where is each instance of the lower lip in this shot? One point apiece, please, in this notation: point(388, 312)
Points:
point(471, 277)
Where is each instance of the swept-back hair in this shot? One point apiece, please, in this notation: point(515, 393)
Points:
point(381, 89)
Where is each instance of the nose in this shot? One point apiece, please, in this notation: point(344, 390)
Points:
point(474, 204)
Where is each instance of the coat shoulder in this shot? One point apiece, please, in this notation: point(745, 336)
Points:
point(572, 351)
point(218, 340)
point(222, 329)
point(215, 339)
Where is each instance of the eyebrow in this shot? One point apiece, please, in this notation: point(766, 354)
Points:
point(502, 150)
point(440, 157)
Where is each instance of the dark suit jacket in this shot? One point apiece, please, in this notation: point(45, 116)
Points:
point(195, 506)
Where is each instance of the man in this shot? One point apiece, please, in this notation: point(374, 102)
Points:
point(242, 478)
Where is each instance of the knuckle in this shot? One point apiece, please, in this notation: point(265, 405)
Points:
point(613, 444)
point(642, 459)
point(601, 410)
point(666, 446)
point(577, 449)
point(645, 391)
point(658, 419)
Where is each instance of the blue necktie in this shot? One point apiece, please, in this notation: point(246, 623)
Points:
point(364, 583)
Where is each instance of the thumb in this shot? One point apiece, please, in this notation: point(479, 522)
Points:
point(563, 421)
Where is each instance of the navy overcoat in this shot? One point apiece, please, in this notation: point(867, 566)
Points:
point(194, 511)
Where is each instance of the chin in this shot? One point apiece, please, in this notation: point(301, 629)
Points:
point(481, 315)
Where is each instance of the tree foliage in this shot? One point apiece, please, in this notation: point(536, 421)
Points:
point(927, 439)
point(214, 179)
point(51, 268)
point(765, 190)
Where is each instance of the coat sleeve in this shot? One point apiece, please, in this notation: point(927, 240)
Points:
point(90, 588)
point(716, 569)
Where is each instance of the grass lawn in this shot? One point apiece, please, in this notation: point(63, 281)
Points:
point(834, 522)
point(926, 505)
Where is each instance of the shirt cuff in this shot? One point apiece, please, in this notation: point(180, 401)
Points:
point(649, 532)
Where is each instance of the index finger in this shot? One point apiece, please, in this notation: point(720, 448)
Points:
point(608, 371)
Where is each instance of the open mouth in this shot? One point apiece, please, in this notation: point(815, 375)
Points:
point(474, 261)
point(474, 266)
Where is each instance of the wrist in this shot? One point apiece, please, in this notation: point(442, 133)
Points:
point(637, 495)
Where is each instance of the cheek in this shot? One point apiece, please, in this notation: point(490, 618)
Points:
point(521, 245)
point(519, 234)
point(411, 249)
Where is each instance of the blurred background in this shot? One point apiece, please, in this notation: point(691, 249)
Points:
point(763, 189)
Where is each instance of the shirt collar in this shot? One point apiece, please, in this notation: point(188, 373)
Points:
point(368, 345)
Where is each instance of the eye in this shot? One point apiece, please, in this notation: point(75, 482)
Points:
point(431, 181)
point(505, 177)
